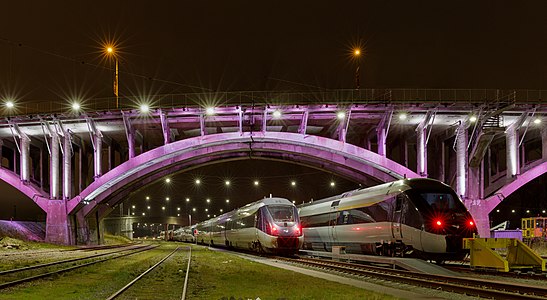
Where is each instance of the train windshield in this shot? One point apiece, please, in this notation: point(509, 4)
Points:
point(440, 201)
point(282, 213)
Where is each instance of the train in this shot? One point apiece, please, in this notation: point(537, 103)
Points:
point(184, 234)
point(419, 217)
point(269, 225)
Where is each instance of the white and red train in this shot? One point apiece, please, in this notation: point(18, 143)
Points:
point(418, 217)
point(411, 217)
point(270, 225)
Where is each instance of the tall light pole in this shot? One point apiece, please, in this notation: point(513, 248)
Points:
point(357, 56)
point(111, 52)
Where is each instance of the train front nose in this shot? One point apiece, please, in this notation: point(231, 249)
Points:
point(289, 237)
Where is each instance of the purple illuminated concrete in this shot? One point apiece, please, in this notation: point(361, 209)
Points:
point(54, 167)
point(28, 189)
point(510, 188)
point(324, 149)
point(480, 209)
point(342, 170)
point(57, 223)
point(461, 160)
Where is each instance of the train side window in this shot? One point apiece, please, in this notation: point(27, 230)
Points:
point(258, 223)
point(359, 216)
point(412, 216)
point(399, 203)
point(318, 220)
point(528, 224)
point(344, 218)
point(304, 222)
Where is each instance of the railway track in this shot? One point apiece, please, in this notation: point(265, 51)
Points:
point(515, 274)
point(131, 284)
point(81, 262)
point(468, 286)
point(83, 249)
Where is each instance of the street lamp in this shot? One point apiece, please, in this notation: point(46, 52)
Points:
point(111, 52)
point(356, 56)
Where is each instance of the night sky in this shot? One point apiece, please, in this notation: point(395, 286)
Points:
point(51, 51)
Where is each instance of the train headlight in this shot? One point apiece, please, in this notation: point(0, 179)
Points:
point(297, 230)
point(274, 230)
point(471, 223)
point(439, 223)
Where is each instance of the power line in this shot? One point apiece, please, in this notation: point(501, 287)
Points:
point(60, 56)
point(297, 83)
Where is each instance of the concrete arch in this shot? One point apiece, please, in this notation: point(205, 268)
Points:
point(332, 155)
point(29, 190)
point(522, 179)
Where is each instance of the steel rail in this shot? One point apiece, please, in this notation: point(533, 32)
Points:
point(123, 289)
point(63, 261)
point(184, 289)
point(540, 276)
point(497, 290)
point(10, 254)
point(27, 279)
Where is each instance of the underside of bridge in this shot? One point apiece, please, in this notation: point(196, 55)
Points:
point(77, 168)
point(357, 164)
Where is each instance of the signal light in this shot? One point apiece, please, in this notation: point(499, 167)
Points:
point(471, 223)
point(439, 223)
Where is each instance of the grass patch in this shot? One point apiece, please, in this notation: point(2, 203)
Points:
point(213, 275)
point(20, 245)
point(94, 282)
point(116, 239)
point(217, 275)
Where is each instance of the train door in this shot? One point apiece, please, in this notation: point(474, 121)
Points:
point(396, 227)
point(333, 217)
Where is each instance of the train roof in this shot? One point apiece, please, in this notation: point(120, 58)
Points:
point(370, 195)
point(249, 209)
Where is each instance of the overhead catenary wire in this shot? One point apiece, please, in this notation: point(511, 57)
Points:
point(83, 62)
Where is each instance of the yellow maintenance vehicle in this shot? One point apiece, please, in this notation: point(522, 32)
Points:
point(485, 254)
point(534, 227)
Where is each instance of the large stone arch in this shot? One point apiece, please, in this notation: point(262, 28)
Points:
point(332, 155)
point(28, 189)
point(508, 189)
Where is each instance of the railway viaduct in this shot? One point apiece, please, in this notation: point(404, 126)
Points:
point(77, 165)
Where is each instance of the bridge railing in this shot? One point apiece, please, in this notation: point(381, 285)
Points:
point(342, 97)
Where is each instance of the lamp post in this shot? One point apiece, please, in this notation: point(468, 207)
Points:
point(111, 52)
point(356, 56)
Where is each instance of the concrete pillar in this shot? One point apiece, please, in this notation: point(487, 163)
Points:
point(97, 157)
point(479, 212)
point(165, 128)
point(512, 153)
point(25, 159)
point(54, 168)
point(58, 227)
point(131, 144)
point(82, 229)
point(544, 143)
point(67, 167)
point(441, 164)
point(461, 160)
point(421, 151)
point(342, 134)
point(381, 137)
